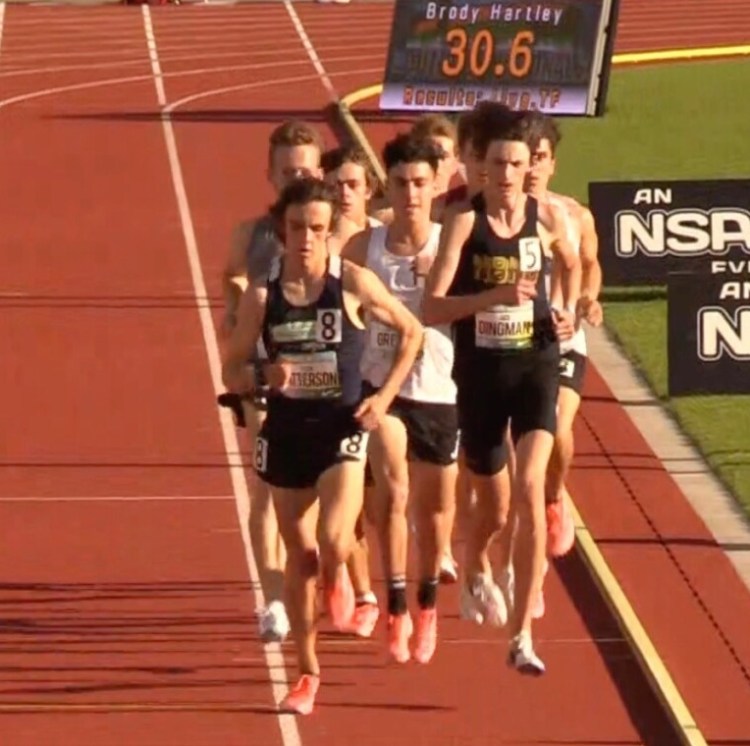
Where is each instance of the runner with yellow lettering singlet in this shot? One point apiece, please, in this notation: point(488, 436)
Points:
point(311, 448)
point(489, 280)
point(294, 150)
point(545, 138)
point(348, 170)
point(413, 452)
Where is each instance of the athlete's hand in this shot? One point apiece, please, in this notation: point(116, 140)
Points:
point(591, 310)
point(371, 412)
point(565, 324)
point(238, 379)
point(277, 375)
point(524, 290)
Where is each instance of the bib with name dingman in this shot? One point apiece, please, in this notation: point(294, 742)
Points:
point(488, 260)
point(317, 344)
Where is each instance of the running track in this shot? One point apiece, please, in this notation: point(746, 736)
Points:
point(126, 611)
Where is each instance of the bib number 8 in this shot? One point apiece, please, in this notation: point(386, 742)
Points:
point(260, 457)
point(354, 448)
point(529, 255)
point(328, 326)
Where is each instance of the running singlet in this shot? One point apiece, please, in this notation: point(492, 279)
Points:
point(319, 344)
point(488, 260)
point(430, 377)
point(577, 343)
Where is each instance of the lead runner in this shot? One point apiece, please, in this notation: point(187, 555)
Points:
point(489, 280)
point(312, 446)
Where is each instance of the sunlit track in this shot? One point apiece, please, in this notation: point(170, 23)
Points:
point(252, 54)
point(31, 96)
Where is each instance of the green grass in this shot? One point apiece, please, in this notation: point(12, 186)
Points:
point(669, 122)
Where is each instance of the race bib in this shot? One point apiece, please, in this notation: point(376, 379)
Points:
point(529, 254)
point(505, 327)
point(567, 367)
point(311, 376)
point(383, 339)
point(354, 448)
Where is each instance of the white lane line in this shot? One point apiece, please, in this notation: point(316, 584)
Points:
point(273, 655)
point(311, 53)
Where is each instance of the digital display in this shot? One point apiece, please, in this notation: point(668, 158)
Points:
point(448, 55)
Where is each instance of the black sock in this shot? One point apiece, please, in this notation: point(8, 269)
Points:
point(427, 593)
point(397, 595)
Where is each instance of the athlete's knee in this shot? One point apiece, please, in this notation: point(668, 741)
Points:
point(335, 545)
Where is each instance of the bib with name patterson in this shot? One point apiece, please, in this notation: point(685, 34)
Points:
point(488, 260)
point(317, 344)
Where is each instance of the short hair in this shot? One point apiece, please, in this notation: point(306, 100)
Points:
point(465, 128)
point(293, 133)
point(495, 121)
point(541, 127)
point(337, 157)
point(409, 148)
point(302, 192)
point(434, 125)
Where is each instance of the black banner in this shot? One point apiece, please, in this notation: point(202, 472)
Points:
point(647, 229)
point(708, 326)
point(447, 55)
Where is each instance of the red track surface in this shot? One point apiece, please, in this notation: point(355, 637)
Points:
point(130, 621)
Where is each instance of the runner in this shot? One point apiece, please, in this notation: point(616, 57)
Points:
point(311, 448)
point(545, 140)
point(348, 170)
point(413, 452)
point(294, 150)
point(489, 279)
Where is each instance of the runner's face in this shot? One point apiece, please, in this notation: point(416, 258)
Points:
point(507, 163)
point(448, 164)
point(295, 162)
point(306, 229)
point(411, 188)
point(542, 167)
point(351, 182)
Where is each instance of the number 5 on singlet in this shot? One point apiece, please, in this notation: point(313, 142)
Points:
point(529, 255)
point(328, 325)
point(354, 448)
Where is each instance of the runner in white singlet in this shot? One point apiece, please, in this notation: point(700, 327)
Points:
point(413, 452)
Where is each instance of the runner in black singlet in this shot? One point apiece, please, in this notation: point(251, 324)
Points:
point(488, 279)
point(312, 446)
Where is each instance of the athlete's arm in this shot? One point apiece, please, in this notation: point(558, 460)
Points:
point(236, 374)
point(380, 304)
point(439, 309)
point(355, 249)
point(234, 276)
point(591, 282)
point(554, 220)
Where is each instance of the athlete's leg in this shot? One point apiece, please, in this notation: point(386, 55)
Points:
point(297, 517)
point(560, 529)
point(387, 453)
point(341, 490)
point(265, 538)
point(533, 424)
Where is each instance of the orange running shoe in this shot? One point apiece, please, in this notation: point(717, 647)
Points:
point(340, 599)
point(364, 619)
point(426, 635)
point(301, 698)
point(400, 629)
point(561, 532)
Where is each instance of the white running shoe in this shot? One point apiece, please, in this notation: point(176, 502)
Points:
point(483, 602)
point(273, 622)
point(507, 584)
point(522, 657)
